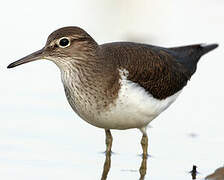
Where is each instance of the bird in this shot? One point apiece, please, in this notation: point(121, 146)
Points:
point(118, 85)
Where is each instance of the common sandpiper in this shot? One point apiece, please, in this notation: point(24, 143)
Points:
point(119, 85)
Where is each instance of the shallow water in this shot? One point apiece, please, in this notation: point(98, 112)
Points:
point(75, 151)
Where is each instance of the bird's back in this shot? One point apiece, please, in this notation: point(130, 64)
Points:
point(160, 71)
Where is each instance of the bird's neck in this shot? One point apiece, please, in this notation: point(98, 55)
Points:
point(88, 86)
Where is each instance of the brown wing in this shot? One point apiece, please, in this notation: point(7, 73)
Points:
point(153, 68)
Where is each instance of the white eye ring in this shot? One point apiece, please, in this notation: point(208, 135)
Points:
point(64, 42)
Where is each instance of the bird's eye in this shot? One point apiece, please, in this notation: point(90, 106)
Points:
point(64, 42)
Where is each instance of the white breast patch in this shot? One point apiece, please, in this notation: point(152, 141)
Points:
point(134, 108)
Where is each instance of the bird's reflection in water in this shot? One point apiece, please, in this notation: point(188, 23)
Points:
point(107, 164)
point(143, 168)
point(106, 167)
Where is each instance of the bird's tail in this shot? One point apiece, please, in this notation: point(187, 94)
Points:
point(205, 48)
point(190, 55)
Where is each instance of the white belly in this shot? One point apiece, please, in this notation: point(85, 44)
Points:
point(134, 108)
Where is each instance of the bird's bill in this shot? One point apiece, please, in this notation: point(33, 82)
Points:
point(32, 57)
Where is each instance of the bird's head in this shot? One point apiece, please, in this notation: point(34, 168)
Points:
point(62, 46)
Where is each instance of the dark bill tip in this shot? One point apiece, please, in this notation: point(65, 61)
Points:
point(11, 65)
point(32, 57)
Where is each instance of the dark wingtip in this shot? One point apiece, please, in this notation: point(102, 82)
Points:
point(208, 47)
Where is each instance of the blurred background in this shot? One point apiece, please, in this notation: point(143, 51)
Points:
point(42, 138)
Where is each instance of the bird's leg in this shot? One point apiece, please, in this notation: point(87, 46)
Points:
point(143, 168)
point(109, 140)
point(144, 143)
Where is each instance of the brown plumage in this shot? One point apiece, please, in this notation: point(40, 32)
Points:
point(156, 70)
point(160, 71)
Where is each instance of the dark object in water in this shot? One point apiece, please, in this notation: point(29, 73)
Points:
point(194, 172)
